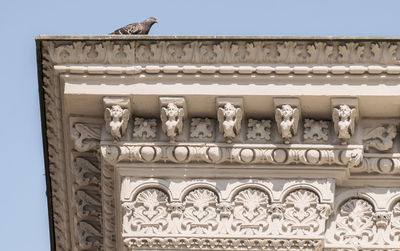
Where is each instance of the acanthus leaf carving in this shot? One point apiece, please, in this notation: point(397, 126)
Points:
point(86, 137)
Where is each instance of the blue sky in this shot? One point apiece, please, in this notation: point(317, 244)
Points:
point(23, 209)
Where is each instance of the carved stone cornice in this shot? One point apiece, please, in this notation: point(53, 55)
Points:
point(310, 155)
point(229, 50)
point(89, 160)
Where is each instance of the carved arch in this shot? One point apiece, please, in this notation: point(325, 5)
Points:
point(200, 185)
point(242, 187)
point(156, 186)
point(296, 187)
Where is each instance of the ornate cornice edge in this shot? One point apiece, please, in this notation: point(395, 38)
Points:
point(54, 165)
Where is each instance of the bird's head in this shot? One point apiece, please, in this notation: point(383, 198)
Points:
point(151, 20)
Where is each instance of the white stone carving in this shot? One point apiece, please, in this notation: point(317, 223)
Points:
point(86, 137)
point(212, 153)
point(220, 52)
point(315, 131)
point(250, 212)
point(148, 215)
point(258, 129)
point(287, 121)
point(230, 119)
point(116, 120)
point(172, 120)
point(354, 223)
point(201, 128)
point(380, 138)
point(145, 129)
point(304, 215)
point(200, 213)
point(344, 122)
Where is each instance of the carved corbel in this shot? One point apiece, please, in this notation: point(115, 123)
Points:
point(287, 116)
point(344, 116)
point(172, 113)
point(230, 113)
point(116, 115)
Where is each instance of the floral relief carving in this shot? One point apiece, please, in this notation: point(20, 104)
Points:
point(145, 128)
point(354, 222)
point(344, 122)
point(201, 128)
point(116, 119)
point(287, 120)
point(395, 224)
point(379, 138)
point(149, 215)
point(200, 214)
point(258, 129)
point(229, 118)
point(250, 212)
point(172, 120)
point(304, 214)
point(316, 131)
point(224, 52)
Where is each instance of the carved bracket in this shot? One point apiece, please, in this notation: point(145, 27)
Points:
point(172, 112)
point(230, 113)
point(116, 115)
point(344, 116)
point(287, 116)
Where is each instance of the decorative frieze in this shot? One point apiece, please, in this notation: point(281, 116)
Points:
point(145, 129)
point(239, 154)
point(205, 51)
point(258, 130)
point(316, 131)
point(379, 138)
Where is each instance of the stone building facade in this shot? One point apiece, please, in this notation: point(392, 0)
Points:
point(221, 143)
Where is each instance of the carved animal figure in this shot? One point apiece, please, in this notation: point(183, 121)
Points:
point(287, 119)
point(229, 119)
point(141, 28)
point(344, 122)
point(116, 120)
point(172, 120)
point(380, 138)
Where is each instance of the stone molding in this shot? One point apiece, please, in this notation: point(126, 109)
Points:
point(84, 159)
point(223, 51)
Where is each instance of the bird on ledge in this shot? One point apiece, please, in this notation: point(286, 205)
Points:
point(141, 28)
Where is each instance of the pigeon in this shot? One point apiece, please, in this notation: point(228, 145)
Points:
point(136, 28)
